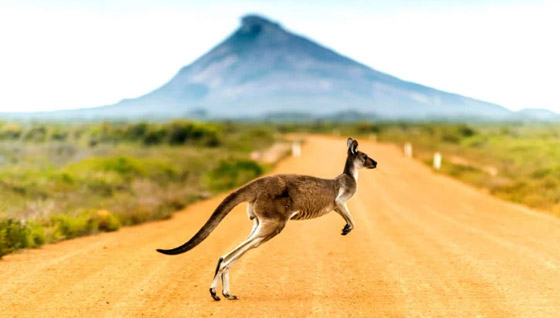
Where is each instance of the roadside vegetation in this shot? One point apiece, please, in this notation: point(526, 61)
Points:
point(519, 162)
point(516, 162)
point(63, 181)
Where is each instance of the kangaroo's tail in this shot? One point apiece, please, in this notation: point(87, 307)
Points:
point(243, 194)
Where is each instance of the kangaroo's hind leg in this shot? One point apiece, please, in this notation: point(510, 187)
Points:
point(220, 267)
point(266, 230)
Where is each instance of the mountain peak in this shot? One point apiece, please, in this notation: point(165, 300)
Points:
point(251, 21)
point(256, 30)
point(261, 69)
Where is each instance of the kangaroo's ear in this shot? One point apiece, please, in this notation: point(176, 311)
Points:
point(354, 146)
point(349, 143)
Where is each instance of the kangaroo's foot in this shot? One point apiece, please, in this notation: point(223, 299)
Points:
point(263, 232)
point(213, 294)
point(347, 228)
point(230, 297)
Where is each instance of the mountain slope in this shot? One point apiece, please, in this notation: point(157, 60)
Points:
point(538, 114)
point(263, 69)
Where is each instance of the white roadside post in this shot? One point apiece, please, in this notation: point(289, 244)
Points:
point(408, 149)
point(296, 149)
point(255, 155)
point(437, 160)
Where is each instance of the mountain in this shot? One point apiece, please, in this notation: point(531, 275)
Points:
point(264, 71)
point(539, 114)
point(262, 68)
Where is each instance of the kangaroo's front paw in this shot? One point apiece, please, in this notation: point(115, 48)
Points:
point(347, 228)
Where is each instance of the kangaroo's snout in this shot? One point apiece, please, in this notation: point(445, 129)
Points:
point(373, 164)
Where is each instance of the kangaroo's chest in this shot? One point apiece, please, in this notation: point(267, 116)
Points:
point(345, 193)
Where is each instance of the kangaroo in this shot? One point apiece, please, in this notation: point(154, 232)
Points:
point(276, 199)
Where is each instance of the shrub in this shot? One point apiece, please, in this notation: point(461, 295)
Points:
point(154, 136)
point(10, 132)
point(62, 189)
point(36, 134)
point(59, 135)
point(35, 234)
point(233, 173)
point(73, 226)
point(124, 166)
point(183, 132)
point(136, 131)
point(366, 127)
point(100, 186)
point(105, 221)
point(466, 131)
point(13, 236)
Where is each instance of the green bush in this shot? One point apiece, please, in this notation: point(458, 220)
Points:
point(233, 173)
point(36, 134)
point(124, 166)
point(106, 221)
point(107, 174)
point(61, 177)
point(135, 131)
point(154, 136)
point(73, 226)
point(10, 131)
point(365, 127)
point(35, 234)
point(59, 135)
point(183, 132)
point(13, 236)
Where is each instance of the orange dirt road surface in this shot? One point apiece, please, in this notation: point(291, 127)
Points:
point(424, 246)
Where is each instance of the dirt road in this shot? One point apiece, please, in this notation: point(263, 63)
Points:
point(424, 246)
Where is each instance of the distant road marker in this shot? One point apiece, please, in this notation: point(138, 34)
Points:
point(437, 160)
point(296, 149)
point(408, 149)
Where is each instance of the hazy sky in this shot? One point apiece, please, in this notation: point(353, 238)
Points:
point(71, 53)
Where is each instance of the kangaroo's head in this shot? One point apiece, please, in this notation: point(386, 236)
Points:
point(359, 159)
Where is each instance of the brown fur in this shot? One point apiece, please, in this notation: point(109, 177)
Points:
point(274, 200)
